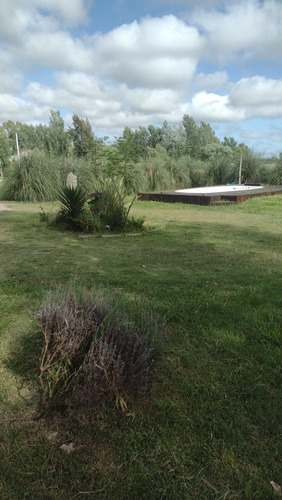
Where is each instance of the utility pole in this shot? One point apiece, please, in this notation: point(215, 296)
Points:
point(17, 143)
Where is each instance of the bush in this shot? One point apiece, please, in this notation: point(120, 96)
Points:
point(73, 201)
point(92, 351)
point(32, 178)
point(180, 170)
point(198, 173)
point(109, 208)
point(156, 168)
point(102, 211)
point(218, 170)
point(277, 173)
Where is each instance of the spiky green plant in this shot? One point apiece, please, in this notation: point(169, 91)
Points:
point(73, 203)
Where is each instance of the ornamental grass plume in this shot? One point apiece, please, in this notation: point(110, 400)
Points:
point(71, 181)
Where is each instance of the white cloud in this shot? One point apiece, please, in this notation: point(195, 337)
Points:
point(77, 92)
point(151, 101)
point(17, 109)
point(16, 15)
point(259, 96)
point(81, 85)
point(253, 134)
point(157, 52)
point(143, 72)
point(250, 29)
point(10, 77)
point(213, 107)
point(73, 11)
point(31, 36)
point(59, 51)
point(210, 81)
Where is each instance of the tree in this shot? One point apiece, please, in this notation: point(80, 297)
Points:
point(193, 136)
point(82, 137)
point(30, 137)
point(5, 150)
point(134, 143)
point(57, 140)
point(230, 142)
point(174, 140)
point(155, 136)
point(10, 129)
point(210, 144)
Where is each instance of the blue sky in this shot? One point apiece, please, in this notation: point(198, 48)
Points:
point(134, 63)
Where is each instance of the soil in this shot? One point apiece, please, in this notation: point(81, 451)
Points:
point(4, 207)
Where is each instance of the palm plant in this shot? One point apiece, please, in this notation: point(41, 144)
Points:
point(73, 201)
point(72, 198)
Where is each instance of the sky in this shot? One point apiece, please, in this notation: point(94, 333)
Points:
point(131, 63)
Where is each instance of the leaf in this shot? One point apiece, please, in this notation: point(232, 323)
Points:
point(277, 488)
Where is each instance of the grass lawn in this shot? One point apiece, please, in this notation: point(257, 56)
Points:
point(207, 426)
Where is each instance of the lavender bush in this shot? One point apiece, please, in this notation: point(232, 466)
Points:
point(92, 351)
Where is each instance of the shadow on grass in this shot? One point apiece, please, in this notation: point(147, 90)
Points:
point(24, 355)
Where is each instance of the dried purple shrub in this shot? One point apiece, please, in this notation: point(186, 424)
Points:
point(91, 351)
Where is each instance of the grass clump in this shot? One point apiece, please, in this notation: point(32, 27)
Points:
point(91, 351)
point(32, 178)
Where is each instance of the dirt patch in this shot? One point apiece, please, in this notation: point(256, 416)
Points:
point(4, 207)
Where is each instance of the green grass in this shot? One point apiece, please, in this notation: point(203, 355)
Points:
point(207, 427)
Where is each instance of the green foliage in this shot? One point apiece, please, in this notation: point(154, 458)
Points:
point(5, 151)
point(193, 136)
point(277, 173)
point(105, 210)
point(198, 173)
point(230, 143)
point(30, 137)
point(109, 207)
point(174, 140)
point(73, 203)
point(133, 143)
point(114, 162)
point(251, 166)
point(152, 158)
point(218, 171)
point(87, 221)
point(82, 137)
point(180, 169)
point(157, 169)
point(33, 178)
point(57, 141)
point(84, 170)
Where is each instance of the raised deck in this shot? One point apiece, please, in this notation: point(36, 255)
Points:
point(210, 198)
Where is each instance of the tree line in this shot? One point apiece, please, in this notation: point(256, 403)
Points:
point(147, 158)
